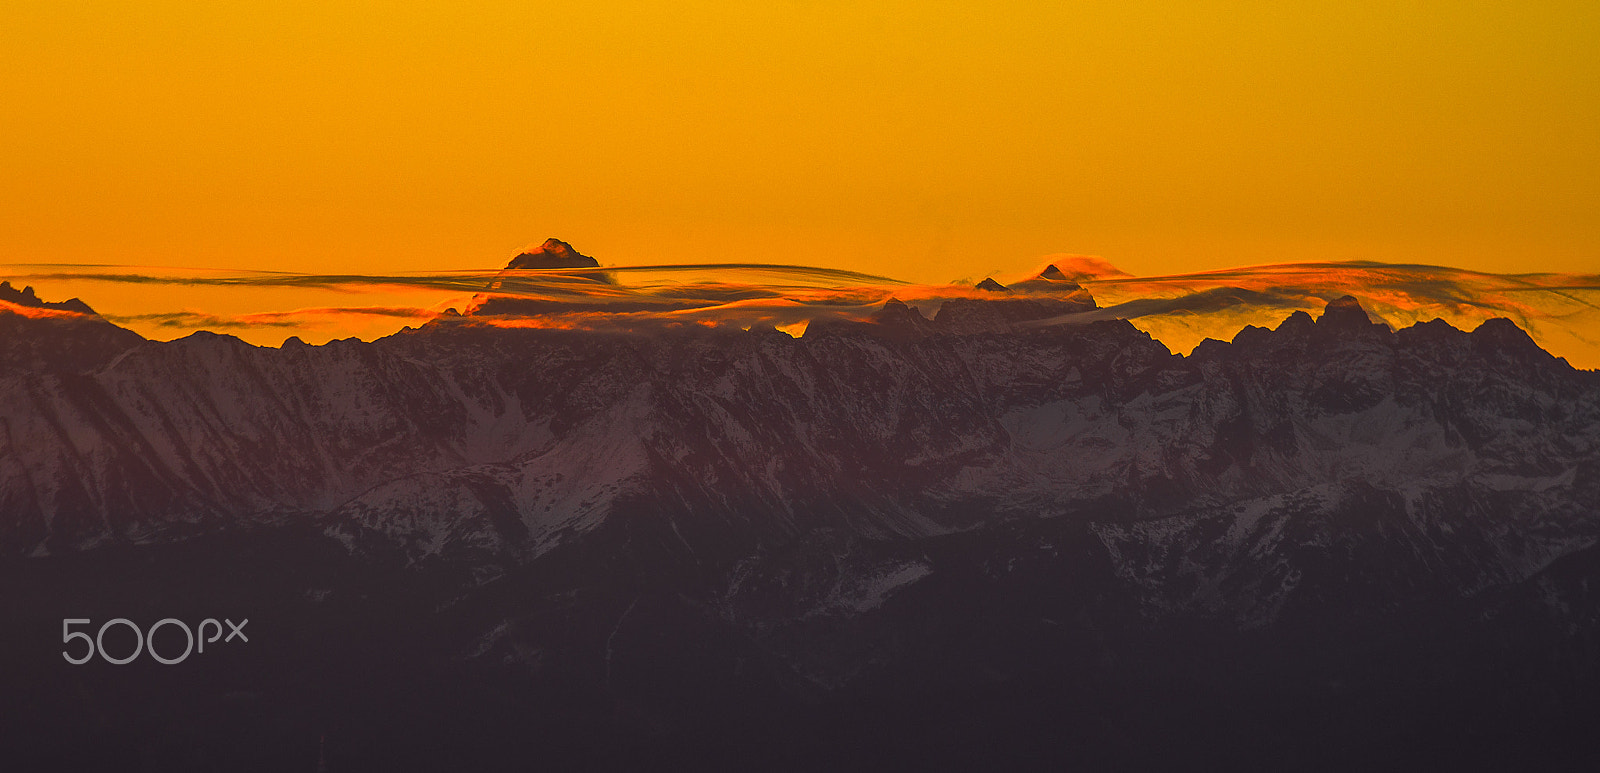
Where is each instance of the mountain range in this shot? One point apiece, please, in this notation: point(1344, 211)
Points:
point(961, 538)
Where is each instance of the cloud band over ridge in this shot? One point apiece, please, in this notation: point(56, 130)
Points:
point(1561, 311)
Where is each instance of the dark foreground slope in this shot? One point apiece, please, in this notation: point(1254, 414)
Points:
point(905, 541)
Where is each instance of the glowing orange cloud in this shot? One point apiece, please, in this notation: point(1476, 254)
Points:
point(35, 312)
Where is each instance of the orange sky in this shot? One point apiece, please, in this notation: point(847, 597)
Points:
point(928, 141)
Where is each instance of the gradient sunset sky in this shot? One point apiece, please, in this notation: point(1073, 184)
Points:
point(928, 141)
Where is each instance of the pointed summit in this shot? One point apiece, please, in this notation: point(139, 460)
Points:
point(1052, 273)
point(1051, 280)
point(1345, 312)
point(1344, 320)
point(896, 312)
point(993, 286)
point(1077, 268)
point(554, 253)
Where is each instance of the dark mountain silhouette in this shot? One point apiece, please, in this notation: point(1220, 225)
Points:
point(26, 297)
point(568, 288)
point(962, 541)
point(554, 253)
point(68, 336)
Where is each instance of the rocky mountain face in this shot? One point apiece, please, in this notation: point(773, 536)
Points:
point(963, 537)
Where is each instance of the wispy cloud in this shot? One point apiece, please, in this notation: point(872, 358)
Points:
point(1562, 311)
point(549, 280)
point(290, 318)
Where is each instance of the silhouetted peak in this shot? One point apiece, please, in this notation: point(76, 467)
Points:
point(27, 297)
point(1503, 335)
point(1437, 326)
point(554, 253)
point(992, 286)
point(23, 297)
point(1431, 332)
point(896, 312)
point(1079, 268)
point(1052, 280)
point(1344, 313)
point(1298, 322)
point(1501, 327)
point(1250, 336)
